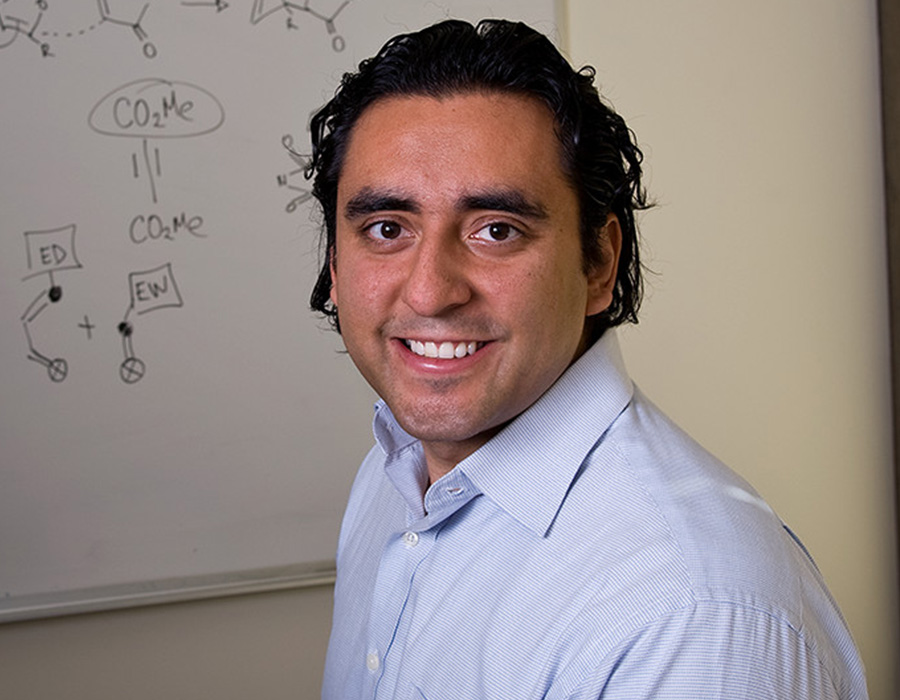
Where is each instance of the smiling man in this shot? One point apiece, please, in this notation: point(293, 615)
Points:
point(528, 524)
point(453, 272)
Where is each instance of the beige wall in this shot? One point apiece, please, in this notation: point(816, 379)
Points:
point(764, 334)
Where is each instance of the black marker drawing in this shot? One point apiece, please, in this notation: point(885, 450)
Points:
point(218, 5)
point(49, 252)
point(44, 25)
point(154, 228)
point(149, 290)
point(325, 10)
point(134, 24)
point(12, 26)
point(286, 179)
point(151, 109)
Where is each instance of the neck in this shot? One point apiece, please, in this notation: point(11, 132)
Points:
point(441, 457)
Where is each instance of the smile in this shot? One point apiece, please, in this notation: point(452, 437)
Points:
point(445, 350)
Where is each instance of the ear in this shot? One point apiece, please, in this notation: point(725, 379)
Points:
point(602, 276)
point(333, 294)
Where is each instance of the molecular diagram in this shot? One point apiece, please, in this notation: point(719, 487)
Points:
point(325, 10)
point(44, 26)
point(49, 252)
point(287, 179)
point(46, 23)
point(155, 109)
point(150, 290)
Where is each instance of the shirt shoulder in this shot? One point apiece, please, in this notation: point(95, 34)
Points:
point(716, 572)
point(711, 649)
point(727, 537)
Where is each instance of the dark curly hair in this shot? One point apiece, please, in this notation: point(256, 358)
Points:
point(599, 153)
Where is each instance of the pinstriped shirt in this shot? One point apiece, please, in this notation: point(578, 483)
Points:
point(591, 549)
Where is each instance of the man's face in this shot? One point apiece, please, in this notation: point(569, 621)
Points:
point(458, 272)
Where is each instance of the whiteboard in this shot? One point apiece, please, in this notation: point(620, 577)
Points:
point(174, 422)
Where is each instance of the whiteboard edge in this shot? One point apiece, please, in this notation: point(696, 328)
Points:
point(175, 590)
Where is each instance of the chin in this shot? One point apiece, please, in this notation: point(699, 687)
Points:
point(440, 426)
point(438, 431)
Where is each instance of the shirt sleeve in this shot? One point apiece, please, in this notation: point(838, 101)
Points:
point(713, 651)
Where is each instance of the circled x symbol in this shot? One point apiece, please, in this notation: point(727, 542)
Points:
point(131, 370)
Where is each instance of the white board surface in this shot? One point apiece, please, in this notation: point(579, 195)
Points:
point(169, 408)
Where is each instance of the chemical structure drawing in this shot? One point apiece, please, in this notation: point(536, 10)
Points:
point(151, 109)
point(45, 23)
point(50, 251)
point(150, 290)
point(325, 10)
point(134, 24)
point(289, 178)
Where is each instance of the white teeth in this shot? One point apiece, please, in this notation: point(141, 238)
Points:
point(445, 351)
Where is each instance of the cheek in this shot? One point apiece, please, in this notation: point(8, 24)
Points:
point(557, 290)
point(362, 288)
point(546, 303)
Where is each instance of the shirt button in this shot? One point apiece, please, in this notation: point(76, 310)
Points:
point(372, 661)
point(410, 539)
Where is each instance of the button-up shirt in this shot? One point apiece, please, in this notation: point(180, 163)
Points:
point(591, 549)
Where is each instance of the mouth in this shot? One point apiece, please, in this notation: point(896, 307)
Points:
point(443, 350)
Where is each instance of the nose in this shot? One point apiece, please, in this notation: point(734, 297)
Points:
point(438, 279)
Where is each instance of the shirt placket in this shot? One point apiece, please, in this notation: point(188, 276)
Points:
point(391, 616)
point(402, 556)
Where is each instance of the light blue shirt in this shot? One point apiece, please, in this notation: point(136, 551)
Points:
point(589, 550)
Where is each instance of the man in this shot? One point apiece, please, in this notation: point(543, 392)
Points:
point(528, 524)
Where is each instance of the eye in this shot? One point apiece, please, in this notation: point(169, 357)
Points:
point(384, 230)
point(497, 232)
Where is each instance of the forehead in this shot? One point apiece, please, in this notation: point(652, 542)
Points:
point(490, 136)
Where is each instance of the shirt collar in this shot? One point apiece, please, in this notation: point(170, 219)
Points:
point(391, 438)
point(528, 467)
point(404, 461)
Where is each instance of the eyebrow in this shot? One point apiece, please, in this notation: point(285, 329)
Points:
point(506, 200)
point(370, 201)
